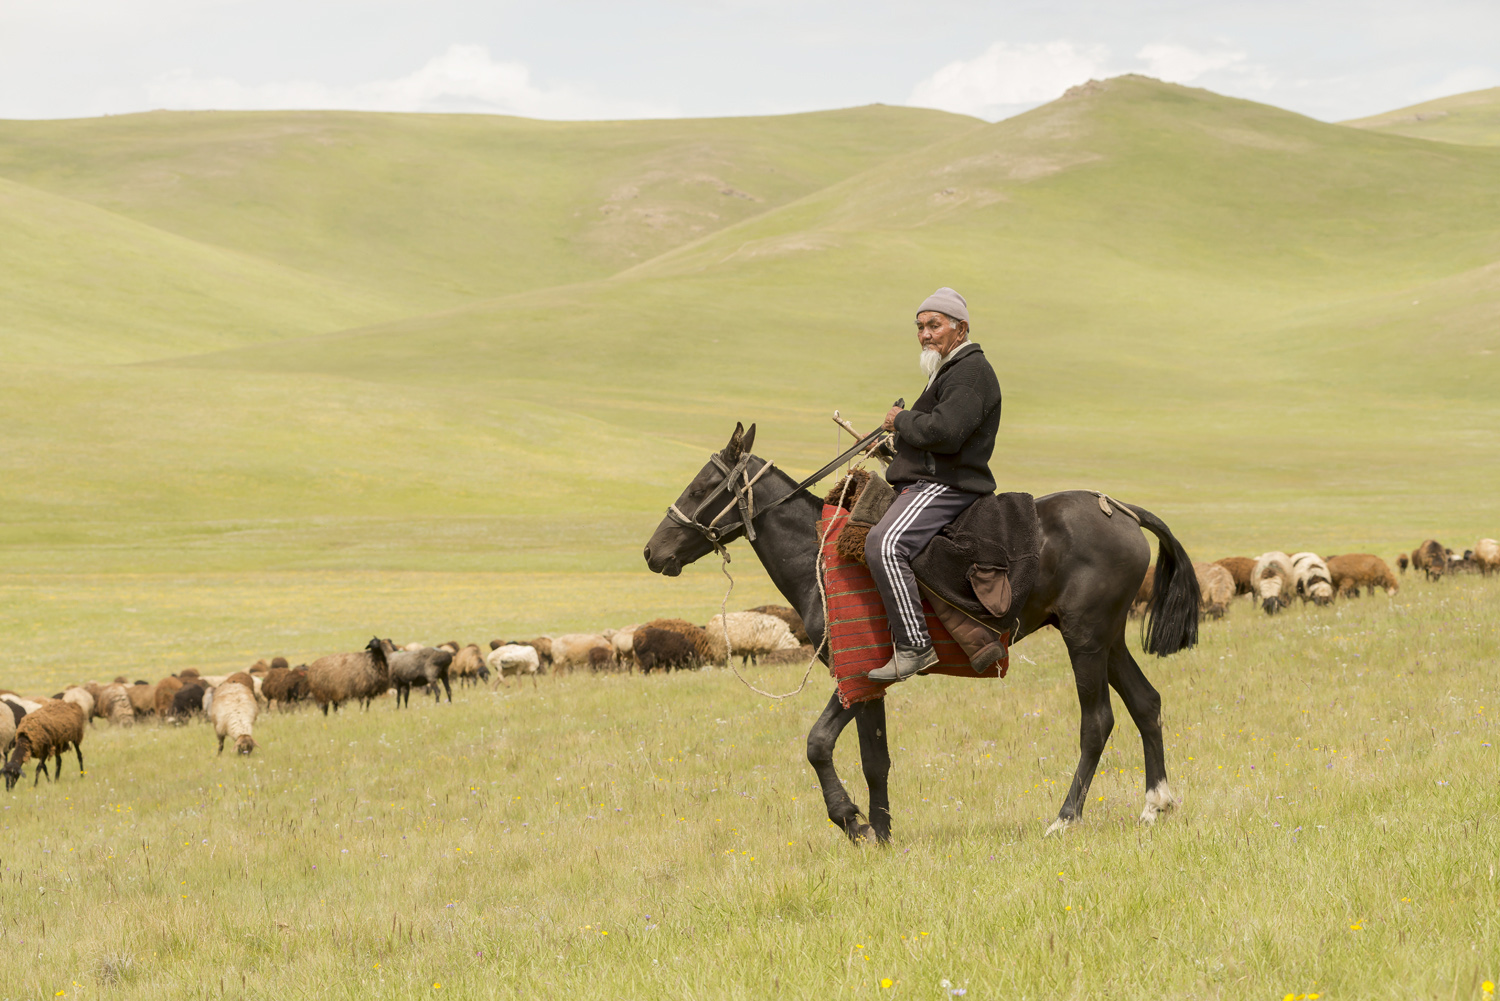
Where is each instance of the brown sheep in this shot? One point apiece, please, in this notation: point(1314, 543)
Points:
point(1143, 593)
point(142, 698)
point(696, 635)
point(543, 647)
point(339, 677)
point(259, 667)
point(166, 689)
point(1352, 571)
point(280, 662)
point(1215, 587)
point(1431, 558)
point(1240, 568)
point(188, 672)
point(284, 686)
point(468, 665)
point(46, 732)
point(790, 617)
point(240, 678)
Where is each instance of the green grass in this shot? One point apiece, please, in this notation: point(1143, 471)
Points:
point(1472, 119)
point(613, 836)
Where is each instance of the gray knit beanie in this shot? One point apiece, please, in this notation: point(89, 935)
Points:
point(948, 302)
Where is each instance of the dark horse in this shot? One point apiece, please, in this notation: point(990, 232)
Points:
point(1091, 566)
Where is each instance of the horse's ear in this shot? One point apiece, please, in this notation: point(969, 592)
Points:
point(747, 443)
point(733, 449)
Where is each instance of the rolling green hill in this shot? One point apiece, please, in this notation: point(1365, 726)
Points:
point(1275, 332)
point(1472, 119)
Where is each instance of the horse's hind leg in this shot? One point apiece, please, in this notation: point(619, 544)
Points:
point(875, 758)
point(820, 743)
point(1095, 721)
point(1144, 704)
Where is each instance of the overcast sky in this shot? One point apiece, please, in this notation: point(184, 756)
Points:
point(586, 59)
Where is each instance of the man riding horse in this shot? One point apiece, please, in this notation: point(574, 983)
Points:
point(942, 465)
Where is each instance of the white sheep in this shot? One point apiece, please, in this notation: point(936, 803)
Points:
point(1314, 582)
point(572, 650)
point(7, 729)
point(623, 641)
point(1487, 556)
point(82, 698)
point(513, 659)
point(750, 634)
point(1273, 581)
point(233, 713)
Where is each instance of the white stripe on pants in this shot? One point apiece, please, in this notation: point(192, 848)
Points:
point(918, 513)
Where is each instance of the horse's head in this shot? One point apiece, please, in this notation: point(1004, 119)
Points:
point(674, 544)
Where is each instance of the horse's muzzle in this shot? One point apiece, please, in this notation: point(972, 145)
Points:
point(668, 567)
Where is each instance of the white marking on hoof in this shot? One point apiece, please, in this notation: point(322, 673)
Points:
point(1058, 826)
point(1159, 799)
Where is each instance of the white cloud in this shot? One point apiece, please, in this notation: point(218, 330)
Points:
point(463, 79)
point(1177, 64)
point(1007, 79)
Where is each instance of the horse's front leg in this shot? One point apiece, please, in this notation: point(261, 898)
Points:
point(821, 740)
point(875, 758)
point(1096, 720)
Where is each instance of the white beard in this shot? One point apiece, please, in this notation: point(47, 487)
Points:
point(931, 361)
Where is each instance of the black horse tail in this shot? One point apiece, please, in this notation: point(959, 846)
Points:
point(1171, 623)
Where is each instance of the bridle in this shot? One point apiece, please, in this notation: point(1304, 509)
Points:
point(741, 487)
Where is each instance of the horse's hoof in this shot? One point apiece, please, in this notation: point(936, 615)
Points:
point(1058, 826)
point(1159, 799)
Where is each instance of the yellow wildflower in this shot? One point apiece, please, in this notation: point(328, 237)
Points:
point(885, 982)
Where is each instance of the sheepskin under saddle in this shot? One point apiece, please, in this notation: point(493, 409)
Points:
point(974, 576)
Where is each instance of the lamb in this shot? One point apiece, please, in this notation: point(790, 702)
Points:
point(1216, 587)
point(285, 685)
point(1431, 558)
point(1240, 568)
point(142, 698)
point(696, 635)
point(572, 650)
point(339, 677)
point(82, 699)
point(234, 712)
point(166, 688)
point(1273, 577)
point(663, 648)
point(427, 666)
point(468, 665)
point(46, 732)
point(112, 703)
point(1313, 581)
point(1352, 571)
point(514, 658)
point(1487, 556)
point(790, 617)
point(750, 635)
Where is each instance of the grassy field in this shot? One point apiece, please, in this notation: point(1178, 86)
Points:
point(628, 837)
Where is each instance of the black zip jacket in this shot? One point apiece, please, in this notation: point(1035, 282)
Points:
point(949, 434)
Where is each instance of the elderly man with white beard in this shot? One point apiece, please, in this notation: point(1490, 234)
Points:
point(942, 465)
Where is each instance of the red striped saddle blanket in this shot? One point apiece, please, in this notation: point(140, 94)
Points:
point(860, 635)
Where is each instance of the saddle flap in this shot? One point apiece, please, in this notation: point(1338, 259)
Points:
point(991, 586)
point(874, 501)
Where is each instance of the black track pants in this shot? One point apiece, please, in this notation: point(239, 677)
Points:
point(917, 514)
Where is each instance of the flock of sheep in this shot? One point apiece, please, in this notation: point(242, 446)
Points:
point(1274, 578)
point(36, 729)
point(41, 728)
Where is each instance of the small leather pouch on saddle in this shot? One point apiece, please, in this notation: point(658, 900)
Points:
point(991, 586)
point(869, 507)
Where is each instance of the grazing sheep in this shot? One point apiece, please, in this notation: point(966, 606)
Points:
point(8, 724)
point(1215, 587)
point(188, 700)
point(112, 703)
point(285, 685)
point(166, 688)
point(1142, 599)
point(1274, 579)
point(1313, 581)
point(240, 678)
point(16, 713)
point(514, 659)
point(1402, 562)
point(280, 662)
point(696, 635)
point(467, 665)
point(750, 635)
point(623, 641)
point(82, 699)
point(1352, 571)
point(572, 650)
point(339, 677)
point(1431, 558)
point(142, 698)
point(234, 713)
point(427, 667)
point(664, 648)
point(790, 617)
point(543, 647)
point(46, 732)
point(25, 705)
point(259, 667)
point(1240, 568)
point(1487, 556)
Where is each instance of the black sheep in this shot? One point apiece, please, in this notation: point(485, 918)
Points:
point(664, 649)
